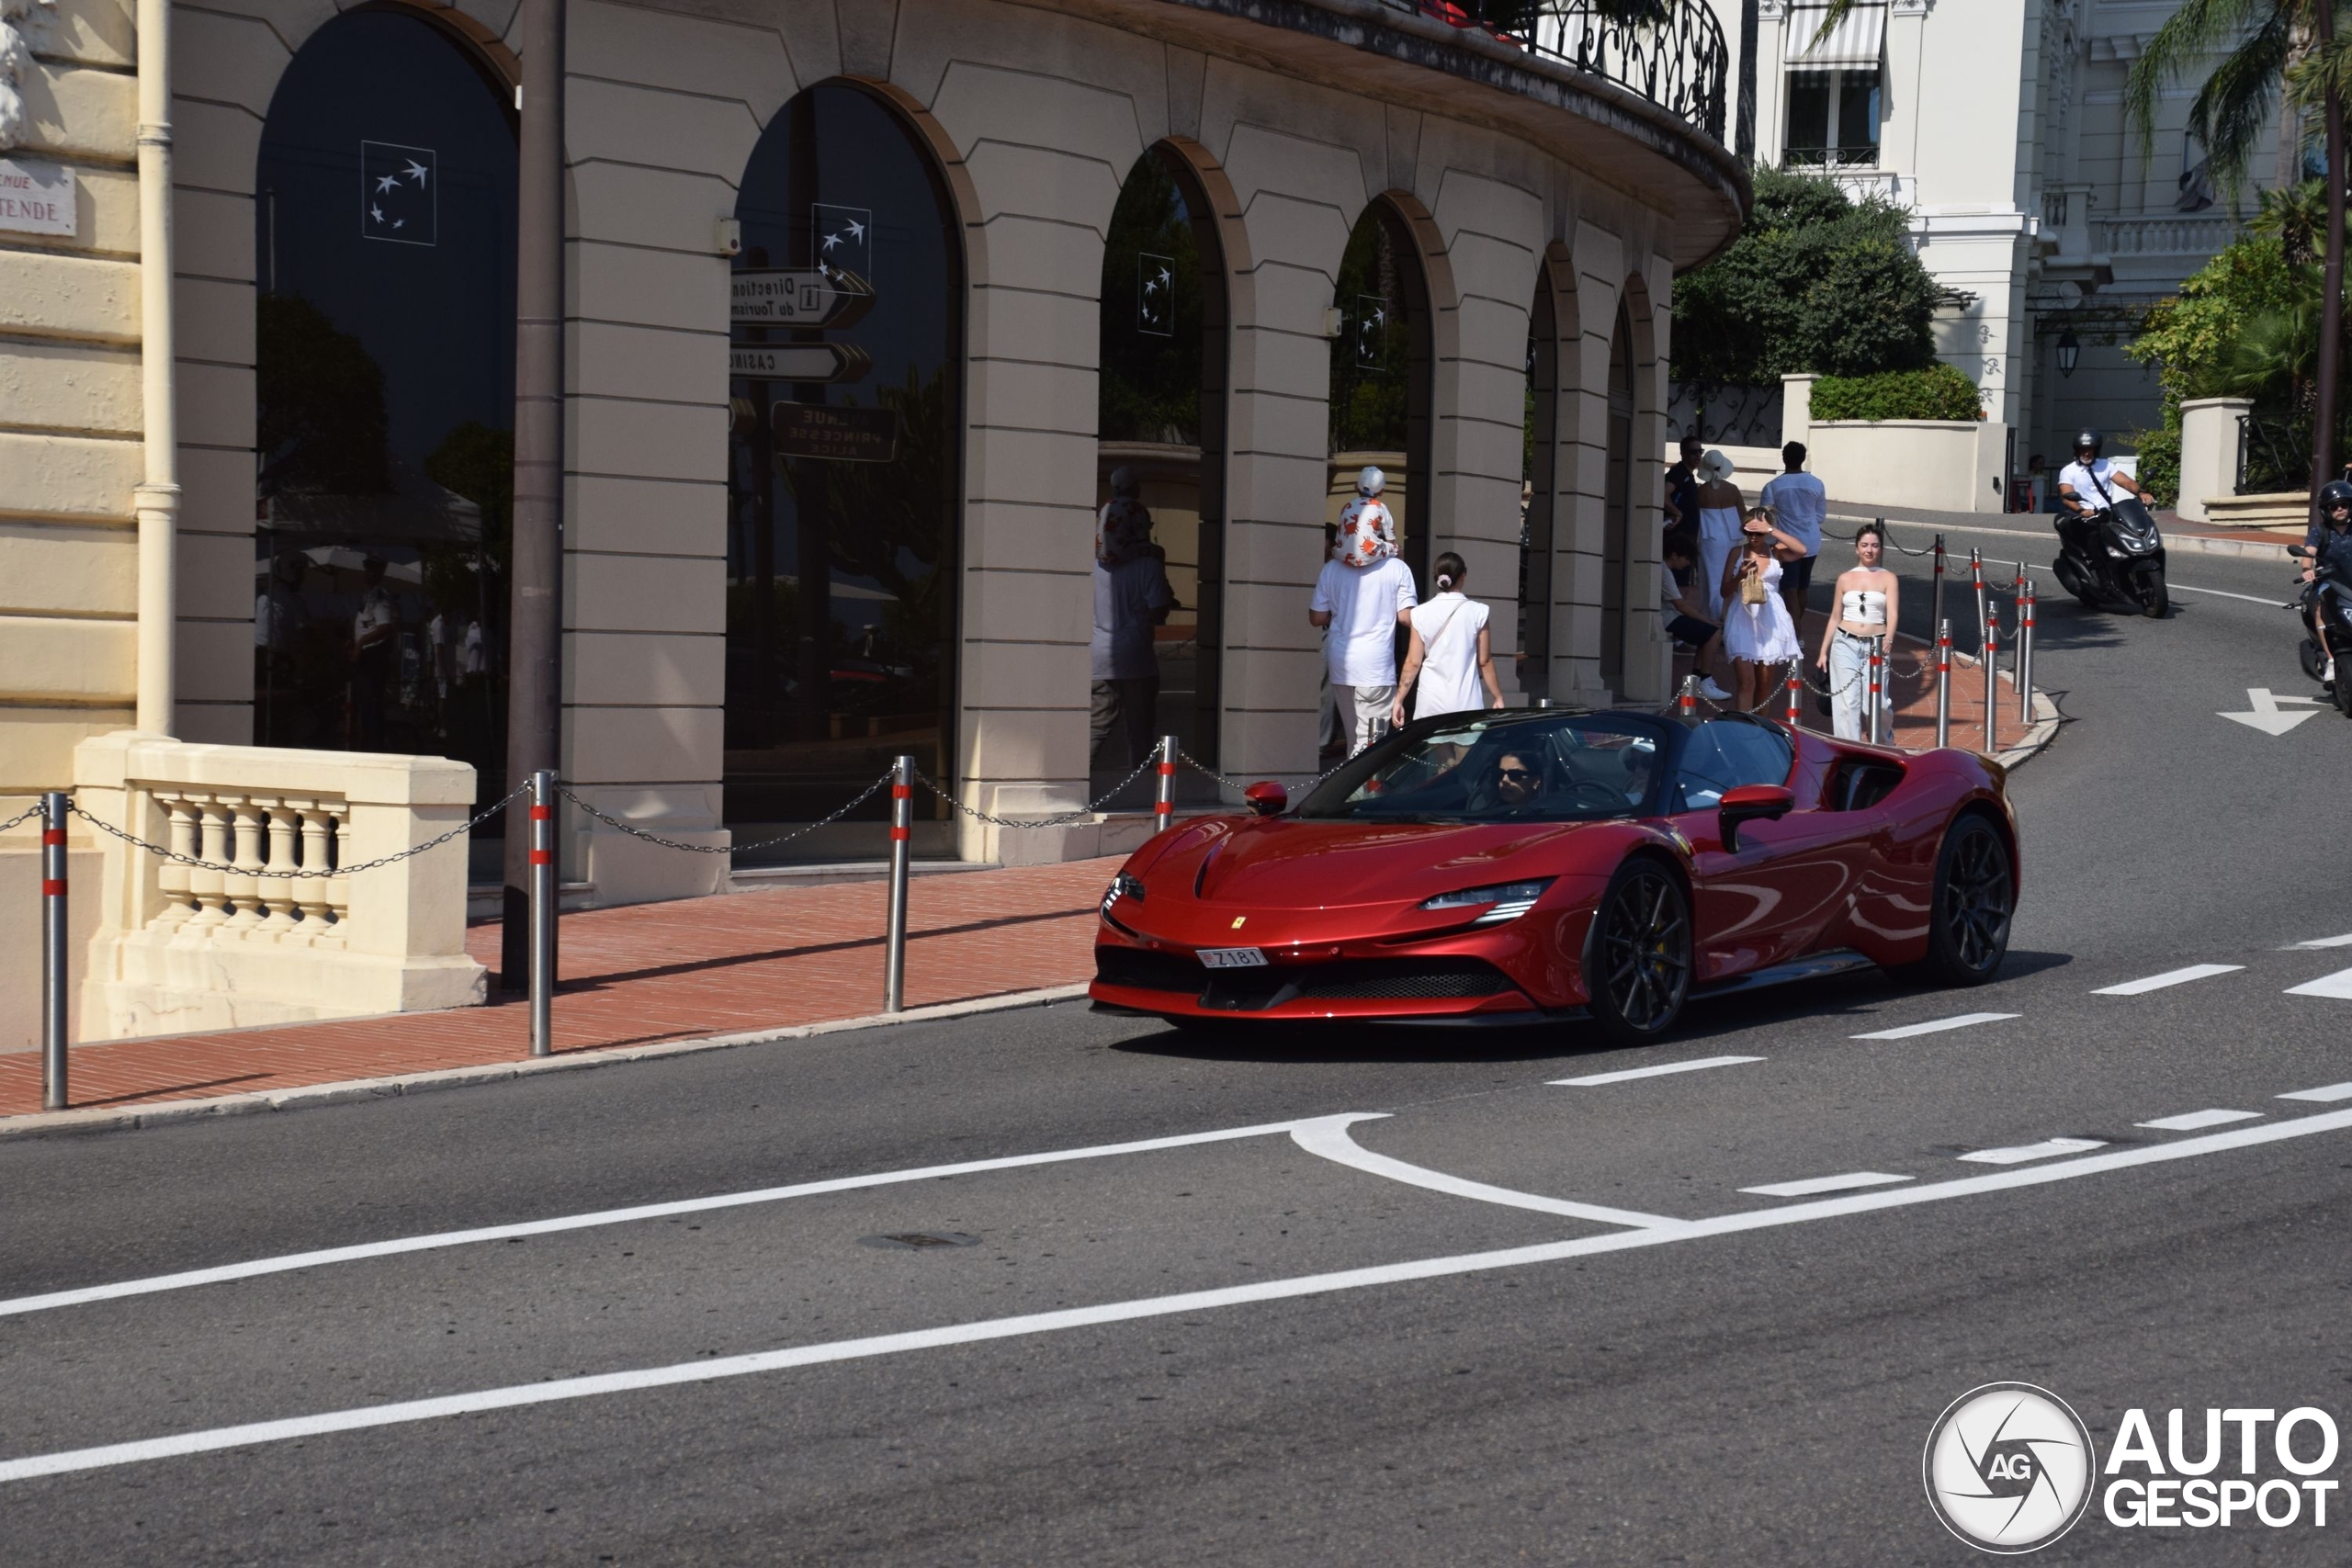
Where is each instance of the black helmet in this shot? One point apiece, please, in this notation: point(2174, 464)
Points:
point(2332, 494)
point(2087, 436)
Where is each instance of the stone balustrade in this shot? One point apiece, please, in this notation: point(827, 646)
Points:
point(276, 927)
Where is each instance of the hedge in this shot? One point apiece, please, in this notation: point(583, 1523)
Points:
point(1938, 392)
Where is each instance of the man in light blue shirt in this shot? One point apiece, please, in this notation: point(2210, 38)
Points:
point(1800, 505)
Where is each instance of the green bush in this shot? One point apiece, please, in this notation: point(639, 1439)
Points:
point(2159, 453)
point(1939, 391)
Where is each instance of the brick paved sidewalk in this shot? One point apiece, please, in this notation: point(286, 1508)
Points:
point(643, 974)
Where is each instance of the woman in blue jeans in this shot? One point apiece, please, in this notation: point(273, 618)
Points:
point(1868, 599)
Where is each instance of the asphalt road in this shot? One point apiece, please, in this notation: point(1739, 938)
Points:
point(1310, 1340)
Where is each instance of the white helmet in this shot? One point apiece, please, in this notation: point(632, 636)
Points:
point(1371, 481)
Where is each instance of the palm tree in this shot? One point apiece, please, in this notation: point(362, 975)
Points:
point(2272, 45)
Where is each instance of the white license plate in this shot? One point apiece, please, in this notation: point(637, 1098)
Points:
point(1233, 957)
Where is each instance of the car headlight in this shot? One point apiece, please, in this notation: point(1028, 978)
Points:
point(1511, 900)
point(1122, 887)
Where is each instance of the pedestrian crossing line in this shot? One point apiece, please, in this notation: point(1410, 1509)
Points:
point(2049, 1148)
point(1812, 1186)
point(2337, 984)
point(2190, 1121)
point(2344, 941)
point(2169, 977)
point(2325, 1094)
point(1595, 1080)
point(1937, 1026)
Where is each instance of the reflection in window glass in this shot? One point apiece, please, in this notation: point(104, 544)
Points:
point(1726, 753)
point(1380, 376)
point(842, 476)
point(384, 349)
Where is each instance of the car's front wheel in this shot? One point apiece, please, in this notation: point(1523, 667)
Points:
point(1637, 960)
point(1968, 928)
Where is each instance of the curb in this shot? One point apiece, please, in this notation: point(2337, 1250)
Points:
point(98, 1118)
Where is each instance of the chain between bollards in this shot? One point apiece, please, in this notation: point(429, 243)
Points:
point(1991, 655)
point(2025, 655)
point(1163, 799)
point(1943, 681)
point(543, 912)
point(902, 832)
point(52, 951)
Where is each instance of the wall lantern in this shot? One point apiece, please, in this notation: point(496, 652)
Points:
point(2070, 350)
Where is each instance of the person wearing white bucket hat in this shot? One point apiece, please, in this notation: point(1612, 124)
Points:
point(1720, 505)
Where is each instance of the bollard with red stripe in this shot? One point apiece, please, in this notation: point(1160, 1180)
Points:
point(902, 832)
point(1163, 801)
point(542, 895)
point(1688, 704)
point(1991, 654)
point(1796, 701)
point(1943, 683)
point(1877, 690)
point(1936, 604)
point(52, 951)
point(2025, 655)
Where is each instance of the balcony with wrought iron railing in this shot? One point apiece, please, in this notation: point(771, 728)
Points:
point(1670, 52)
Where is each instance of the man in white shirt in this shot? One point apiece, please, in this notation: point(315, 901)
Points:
point(1130, 600)
point(1361, 608)
point(1799, 505)
point(2090, 483)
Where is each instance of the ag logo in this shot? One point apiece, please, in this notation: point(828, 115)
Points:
point(2009, 1467)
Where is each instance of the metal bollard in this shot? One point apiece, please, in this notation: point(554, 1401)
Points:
point(902, 832)
point(52, 951)
point(1877, 689)
point(1687, 704)
point(1796, 703)
point(1976, 579)
point(1943, 681)
point(543, 912)
point(1163, 802)
point(1936, 603)
point(2025, 656)
point(1991, 654)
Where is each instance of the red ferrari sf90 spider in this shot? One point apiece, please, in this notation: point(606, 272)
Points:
point(1547, 864)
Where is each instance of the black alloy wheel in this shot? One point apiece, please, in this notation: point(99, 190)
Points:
point(2314, 662)
point(2148, 588)
point(1968, 932)
point(1637, 960)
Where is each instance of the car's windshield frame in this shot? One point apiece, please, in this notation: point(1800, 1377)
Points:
point(1487, 730)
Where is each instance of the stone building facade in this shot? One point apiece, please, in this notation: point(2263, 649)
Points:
point(949, 579)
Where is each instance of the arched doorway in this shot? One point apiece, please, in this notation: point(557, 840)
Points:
point(844, 477)
point(384, 351)
point(1161, 410)
point(1617, 518)
point(1382, 366)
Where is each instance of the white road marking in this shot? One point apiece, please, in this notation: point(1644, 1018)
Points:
point(1327, 1137)
point(2338, 984)
point(2264, 713)
point(1596, 1079)
point(286, 1262)
point(1811, 1186)
point(1938, 1026)
point(2169, 977)
point(2225, 594)
point(2344, 941)
point(2325, 1094)
point(2049, 1148)
point(2190, 1121)
point(717, 1368)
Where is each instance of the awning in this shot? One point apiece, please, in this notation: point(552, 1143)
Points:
point(1856, 41)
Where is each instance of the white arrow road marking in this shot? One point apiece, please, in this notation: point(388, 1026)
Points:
point(2049, 1148)
point(717, 1368)
point(2265, 716)
point(2344, 941)
point(2337, 985)
point(1327, 1137)
point(1596, 1079)
point(2191, 1121)
point(1816, 1185)
point(1937, 1026)
point(2169, 977)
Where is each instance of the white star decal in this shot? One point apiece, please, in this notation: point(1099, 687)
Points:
point(377, 213)
point(831, 240)
point(415, 171)
point(856, 230)
point(385, 181)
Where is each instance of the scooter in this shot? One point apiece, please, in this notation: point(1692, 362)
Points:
point(2116, 552)
point(2332, 591)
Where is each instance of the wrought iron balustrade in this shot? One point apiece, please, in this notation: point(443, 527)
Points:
point(1668, 51)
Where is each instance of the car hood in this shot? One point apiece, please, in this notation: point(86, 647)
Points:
point(1276, 863)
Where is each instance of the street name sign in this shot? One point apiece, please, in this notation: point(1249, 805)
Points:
point(36, 198)
point(797, 362)
point(797, 297)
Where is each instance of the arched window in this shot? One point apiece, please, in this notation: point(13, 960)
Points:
point(384, 247)
point(1617, 520)
point(845, 481)
point(1381, 370)
point(1539, 488)
point(1159, 471)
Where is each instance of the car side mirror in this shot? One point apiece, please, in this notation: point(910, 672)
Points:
point(1751, 803)
point(1267, 798)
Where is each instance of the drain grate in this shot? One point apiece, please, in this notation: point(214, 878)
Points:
point(919, 1241)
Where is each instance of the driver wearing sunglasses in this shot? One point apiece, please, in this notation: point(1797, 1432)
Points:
point(1517, 780)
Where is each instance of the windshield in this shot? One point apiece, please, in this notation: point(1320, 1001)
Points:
point(1501, 766)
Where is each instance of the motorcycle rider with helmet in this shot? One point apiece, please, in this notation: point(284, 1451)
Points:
point(2328, 539)
point(2088, 484)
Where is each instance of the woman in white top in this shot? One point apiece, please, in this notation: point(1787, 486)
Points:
point(1869, 607)
point(1720, 506)
point(1449, 651)
point(1757, 633)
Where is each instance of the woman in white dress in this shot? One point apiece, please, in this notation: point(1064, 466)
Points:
point(1720, 505)
point(1757, 633)
point(1869, 607)
point(1449, 651)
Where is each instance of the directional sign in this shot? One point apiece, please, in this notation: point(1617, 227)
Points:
point(797, 362)
point(2265, 716)
point(798, 297)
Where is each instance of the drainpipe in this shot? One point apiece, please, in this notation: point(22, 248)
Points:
point(158, 497)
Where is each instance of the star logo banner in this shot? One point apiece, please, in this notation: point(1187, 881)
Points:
point(844, 239)
point(400, 194)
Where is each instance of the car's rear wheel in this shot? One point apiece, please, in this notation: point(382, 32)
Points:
point(1967, 930)
point(1637, 962)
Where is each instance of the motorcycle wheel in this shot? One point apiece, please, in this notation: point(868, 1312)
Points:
point(2148, 587)
point(2342, 695)
point(2310, 654)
